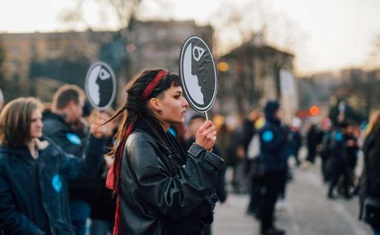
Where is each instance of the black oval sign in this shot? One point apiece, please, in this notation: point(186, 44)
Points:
point(100, 85)
point(198, 74)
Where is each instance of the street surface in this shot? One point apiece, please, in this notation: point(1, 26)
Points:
point(305, 210)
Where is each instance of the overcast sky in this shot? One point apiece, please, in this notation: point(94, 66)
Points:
point(335, 33)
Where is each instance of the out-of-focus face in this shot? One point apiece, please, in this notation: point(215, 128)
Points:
point(110, 126)
point(326, 124)
point(350, 129)
point(278, 114)
point(36, 124)
point(103, 117)
point(75, 112)
point(173, 106)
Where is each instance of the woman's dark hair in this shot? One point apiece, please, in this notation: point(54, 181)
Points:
point(15, 121)
point(146, 85)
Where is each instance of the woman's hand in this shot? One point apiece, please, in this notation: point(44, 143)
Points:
point(206, 135)
point(98, 131)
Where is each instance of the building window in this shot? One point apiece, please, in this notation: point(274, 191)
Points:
point(15, 65)
point(14, 50)
point(33, 50)
point(53, 45)
point(16, 79)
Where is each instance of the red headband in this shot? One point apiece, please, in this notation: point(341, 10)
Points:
point(149, 89)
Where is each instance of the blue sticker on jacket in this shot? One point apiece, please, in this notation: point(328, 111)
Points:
point(74, 139)
point(57, 183)
point(267, 136)
point(338, 137)
point(172, 132)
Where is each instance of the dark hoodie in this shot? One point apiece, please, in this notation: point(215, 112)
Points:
point(62, 134)
point(273, 140)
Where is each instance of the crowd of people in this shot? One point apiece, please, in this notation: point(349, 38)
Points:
point(262, 154)
point(149, 168)
point(127, 172)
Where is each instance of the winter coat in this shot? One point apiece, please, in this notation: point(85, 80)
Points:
point(34, 192)
point(273, 146)
point(370, 179)
point(60, 132)
point(371, 150)
point(155, 200)
point(336, 150)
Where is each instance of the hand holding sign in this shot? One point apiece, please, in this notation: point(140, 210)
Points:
point(198, 74)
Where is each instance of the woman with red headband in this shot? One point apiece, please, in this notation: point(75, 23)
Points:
point(161, 189)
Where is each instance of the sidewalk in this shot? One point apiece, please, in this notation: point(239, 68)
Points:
point(307, 211)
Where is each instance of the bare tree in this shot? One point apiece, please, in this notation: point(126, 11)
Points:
point(373, 60)
point(250, 25)
point(115, 14)
point(234, 24)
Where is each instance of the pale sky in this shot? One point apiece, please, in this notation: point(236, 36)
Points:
point(334, 34)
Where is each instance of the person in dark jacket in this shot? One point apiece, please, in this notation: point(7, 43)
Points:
point(313, 138)
point(34, 173)
point(295, 140)
point(103, 208)
point(325, 152)
point(337, 158)
point(64, 125)
point(370, 183)
point(352, 148)
point(273, 149)
point(160, 188)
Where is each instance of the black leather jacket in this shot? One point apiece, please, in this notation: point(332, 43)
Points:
point(34, 192)
point(371, 151)
point(156, 201)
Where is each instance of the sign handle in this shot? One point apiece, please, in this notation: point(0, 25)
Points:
point(212, 149)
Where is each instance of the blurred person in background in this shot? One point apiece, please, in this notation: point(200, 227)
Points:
point(223, 141)
point(325, 151)
point(255, 172)
point(273, 152)
point(313, 138)
point(352, 148)
point(34, 172)
point(195, 122)
point(236, 160)
point(65, 125)
point(337, 161)
point(370, 183)
point(241, 137)
point(295, 140)
point(161, 189)
point(104, 204)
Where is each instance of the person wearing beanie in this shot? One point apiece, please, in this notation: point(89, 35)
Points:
point(273, 142)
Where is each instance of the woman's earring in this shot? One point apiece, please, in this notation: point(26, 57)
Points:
point(159, 111)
